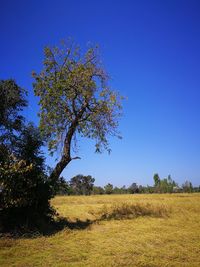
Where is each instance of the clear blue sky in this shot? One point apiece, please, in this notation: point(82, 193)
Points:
point(152, 51)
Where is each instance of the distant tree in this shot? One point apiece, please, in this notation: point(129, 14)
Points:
point(149, 189)
point(196, 189)
point(98, 190)
point(108, 189)
point(133, 189)
point(117, 190)
point(166, 185)
point(124, 189)
point(142, 189)
point(75, 99)
point(62, 187)
point(82, 185)
point(156, 180)
point(187, 187)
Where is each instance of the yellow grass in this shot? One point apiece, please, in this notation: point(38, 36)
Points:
point(172, 240)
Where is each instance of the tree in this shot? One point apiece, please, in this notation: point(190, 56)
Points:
point(12, 102)
point(23, 179)
point(133, 189)
point(62, 187)
point(98, 190)
point(187, 187)
point(156, 180)
point(25, 189)
point(108, 189)
point(82, 185)
point(75, 100)
point(166, 185)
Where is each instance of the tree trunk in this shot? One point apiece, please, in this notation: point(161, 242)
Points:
point(65, 160)
point(66, 157)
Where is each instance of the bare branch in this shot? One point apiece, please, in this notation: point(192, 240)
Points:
point(75, 158)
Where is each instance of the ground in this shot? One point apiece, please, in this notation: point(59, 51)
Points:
point(172, 240)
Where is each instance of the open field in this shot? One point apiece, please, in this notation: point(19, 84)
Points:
point(171, 240)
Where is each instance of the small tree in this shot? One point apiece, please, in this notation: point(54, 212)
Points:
point(75, 99)
point(108, 189)
point(187, 187)
point(156, 180)
point(98, 190)
point(133, 189)
point(25, 187)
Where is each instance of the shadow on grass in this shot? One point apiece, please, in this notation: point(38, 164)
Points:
point(46, 228)
point(62, 223)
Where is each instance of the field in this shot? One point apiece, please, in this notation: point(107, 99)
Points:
point(169, 240)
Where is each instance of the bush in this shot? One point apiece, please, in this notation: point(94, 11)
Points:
point(130, 210)
point(25, 187)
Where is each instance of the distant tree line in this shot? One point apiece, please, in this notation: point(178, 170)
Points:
point(84, 185)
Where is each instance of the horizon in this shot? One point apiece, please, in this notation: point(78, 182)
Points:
point(151, 51)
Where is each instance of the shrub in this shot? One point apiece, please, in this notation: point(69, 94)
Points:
point(130, 210)
point(25, 187)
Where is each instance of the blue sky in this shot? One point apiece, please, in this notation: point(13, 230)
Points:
point(150, 49)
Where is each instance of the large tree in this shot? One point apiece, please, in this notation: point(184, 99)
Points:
point(75, 99)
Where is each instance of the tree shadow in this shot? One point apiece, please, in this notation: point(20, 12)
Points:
point(46, 228)
point(64, 223)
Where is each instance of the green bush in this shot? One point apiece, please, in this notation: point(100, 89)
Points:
point(25, 187)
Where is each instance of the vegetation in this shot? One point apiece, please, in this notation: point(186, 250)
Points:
point(75, 100)
point(130, 211)
point(25, 189)
point(82, 185)
point(78, 186)
point(12, 102)
point(171, 240)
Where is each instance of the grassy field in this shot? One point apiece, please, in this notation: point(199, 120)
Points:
point(171, 240)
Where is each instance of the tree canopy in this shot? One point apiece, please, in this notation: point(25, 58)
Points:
point(75, 100)
point(12, 102)
point(81, 184)
point(25, 189)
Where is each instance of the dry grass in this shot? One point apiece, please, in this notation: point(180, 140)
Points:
point(126, 210)
point(155, 240)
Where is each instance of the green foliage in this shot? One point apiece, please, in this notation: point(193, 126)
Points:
point(108, 189)
point(166, 185)
point(156, 179)
point(62, 187)
point(98, 190)
point(75, 100)
point(12, 102)
point(133, 189)
point(187, 187)
point(25, 189)
point(82, 185)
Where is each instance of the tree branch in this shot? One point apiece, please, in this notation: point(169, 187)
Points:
point(75, 158)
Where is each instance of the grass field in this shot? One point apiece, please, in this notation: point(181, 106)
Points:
point(171, 240)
